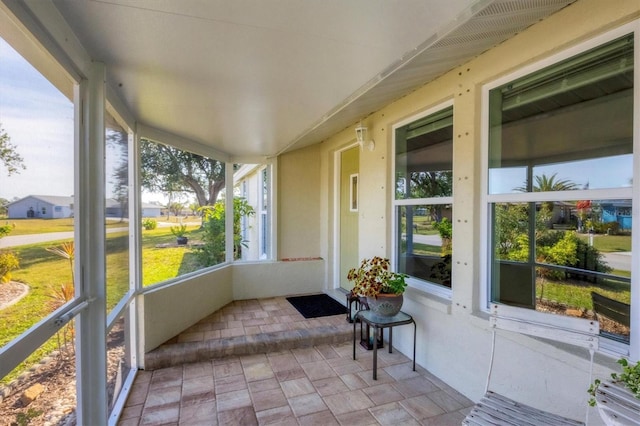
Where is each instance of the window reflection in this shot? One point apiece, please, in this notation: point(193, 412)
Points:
point(572, 120)
point(424, 185)
point(560, 257)
point(425, 242)
point(116, 210)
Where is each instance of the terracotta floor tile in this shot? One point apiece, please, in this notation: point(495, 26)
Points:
point(445, 419)
point(383, 394)
point(266, 399)
point(358, 418)
point(318, 370)
point(445, 401)
point(197, 369)
point(330, 386)
point(230, 384)
point(346, 402)
point(415, 386)
point(244, 416)
point(393, 414)
point(226, 370)
point(257, 372)
point(401, 371)
point(297, 387)
point(203, 413)
point(132, 411)
point(422, 407)
point(295, 373)
point(306, 355)
point(162, 414)
point(262, 385)
point(322, 418)
point(163, 396)
point(319, 385)
point(283, 361)
point(306, 404)
point(353, 381)
point(233, 400)
point(277, 416)
point(327, 352)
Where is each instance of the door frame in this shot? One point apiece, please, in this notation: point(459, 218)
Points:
point(337, 163)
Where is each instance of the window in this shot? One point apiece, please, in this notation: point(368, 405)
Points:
point(251, 200)
point(353, 193)
point(188, 233)
point(423, 198)
point(264, 214)
point(116, 210)
point(560, 185)
point(36, 119)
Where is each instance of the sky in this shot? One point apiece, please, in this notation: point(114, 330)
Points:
point(39, 121)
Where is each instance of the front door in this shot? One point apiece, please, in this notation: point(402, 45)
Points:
point(349, 193)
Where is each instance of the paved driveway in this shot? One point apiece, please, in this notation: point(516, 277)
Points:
point(21, 240)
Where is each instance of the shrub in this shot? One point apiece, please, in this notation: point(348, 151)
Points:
point(179, 231)
point(6, 229)
point(149, 224)
point(8, 262)
point(212, 250)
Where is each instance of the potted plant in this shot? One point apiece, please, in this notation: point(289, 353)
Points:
point(383, 288)
point(618, 400)
point(180, 233)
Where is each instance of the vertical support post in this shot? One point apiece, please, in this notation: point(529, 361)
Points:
point(89, 202)
point(228, 208)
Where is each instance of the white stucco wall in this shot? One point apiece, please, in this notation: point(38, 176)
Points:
point(453, 335)
point(299, 204)
point(271, 279)
point(168, 310)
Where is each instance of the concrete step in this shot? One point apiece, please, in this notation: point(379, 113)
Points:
point(172, 354)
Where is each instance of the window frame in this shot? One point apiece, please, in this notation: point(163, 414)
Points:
point(422, 285)
point(487, 199)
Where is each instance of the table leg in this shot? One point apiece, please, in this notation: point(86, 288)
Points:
point(414, 346)
point(375, 353)
point(354, 337)
point(390, 339)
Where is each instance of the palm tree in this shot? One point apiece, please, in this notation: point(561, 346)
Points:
point(543, 184)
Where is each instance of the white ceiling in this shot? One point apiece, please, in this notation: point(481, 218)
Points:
point(259, 77)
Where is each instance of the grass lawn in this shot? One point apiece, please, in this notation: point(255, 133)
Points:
point(42, 271)
point(578, 294)
point(609, 243)
point(43, 226)
point(426, 249)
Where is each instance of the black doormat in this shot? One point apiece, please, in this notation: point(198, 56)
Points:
point(317, 305)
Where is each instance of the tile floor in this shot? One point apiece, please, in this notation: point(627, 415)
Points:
point(318, 385)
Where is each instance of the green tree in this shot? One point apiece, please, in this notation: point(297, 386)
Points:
point(168, 169)
point(544, 183)
point(9, 157)
point(118, 140)
point(3, 206)
point(175, 208)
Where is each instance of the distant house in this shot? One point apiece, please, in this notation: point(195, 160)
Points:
point(41, 206)
point(113, 208)
point(151, 210)
point(55, 207)
point(617, 211)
